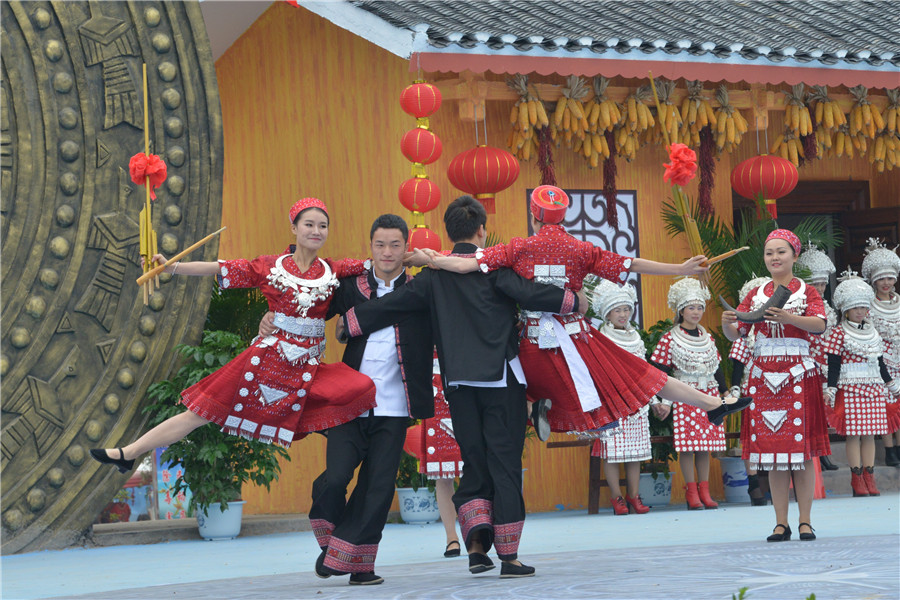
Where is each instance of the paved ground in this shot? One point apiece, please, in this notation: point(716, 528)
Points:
point(668, 554)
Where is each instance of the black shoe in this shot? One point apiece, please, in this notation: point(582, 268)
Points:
point(509, 570)
point(716, 415)
point(365, 579)
point(539, 419)
point(479, 563)
point(124, 466)
point(784, 536)
point(807, 537)
point(892, 456)
point(323, 572)
point(827, 465)
point(452, 553)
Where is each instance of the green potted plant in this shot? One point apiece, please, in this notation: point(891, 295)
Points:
point(415, 493)
point(215, 465)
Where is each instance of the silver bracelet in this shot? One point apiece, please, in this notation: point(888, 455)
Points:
point(175, 268)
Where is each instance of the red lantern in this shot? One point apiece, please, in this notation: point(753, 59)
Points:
point(422, 237)
point(421, 146)
point(483, 172)
point(420, 99)
point(766, 176)
point(419, 194)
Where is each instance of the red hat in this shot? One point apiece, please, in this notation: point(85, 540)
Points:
point(549, 204)
point(304, 203)
point(787, 235)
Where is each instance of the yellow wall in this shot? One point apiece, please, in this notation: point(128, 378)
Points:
point(312, 110)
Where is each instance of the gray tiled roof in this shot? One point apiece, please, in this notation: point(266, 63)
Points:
point(830, 31)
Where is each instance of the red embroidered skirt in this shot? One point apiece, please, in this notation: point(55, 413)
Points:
point(623, 381)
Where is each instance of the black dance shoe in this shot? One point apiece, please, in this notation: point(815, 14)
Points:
point(124, 466)
point(323, 572)
point(827, 465)
point(365, 579)
point(452, 552)
point(716, 415)
point(539, 419)
point(784, 536)
point(509, 570)
point(479, 563)
point(807, 537)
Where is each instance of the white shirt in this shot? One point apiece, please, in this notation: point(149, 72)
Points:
point(514, 364)
point(381, 363)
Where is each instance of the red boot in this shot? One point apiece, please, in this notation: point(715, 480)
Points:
point(705, 498)
point(857, 483)
point(636, 505)
point(619, 506)
point(692, 497)
point(868, 476)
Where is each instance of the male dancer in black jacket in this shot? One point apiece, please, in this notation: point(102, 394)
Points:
point(473, 319)
point(399, 360)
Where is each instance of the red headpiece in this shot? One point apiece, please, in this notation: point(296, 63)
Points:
point(549, 204)
point(787, 235)
point(304, 203)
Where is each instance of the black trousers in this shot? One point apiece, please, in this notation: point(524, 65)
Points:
point(350, 529)
point(489, 425)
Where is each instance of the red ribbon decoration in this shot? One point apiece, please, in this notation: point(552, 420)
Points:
point(142, 166)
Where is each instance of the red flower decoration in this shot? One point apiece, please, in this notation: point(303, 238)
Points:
point(683, 165)
point(142, 166)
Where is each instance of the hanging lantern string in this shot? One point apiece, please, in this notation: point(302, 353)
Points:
point(475, 116)
point(485, 124)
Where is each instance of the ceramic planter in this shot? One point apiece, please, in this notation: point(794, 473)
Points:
point(221, 525)
point(417, 506)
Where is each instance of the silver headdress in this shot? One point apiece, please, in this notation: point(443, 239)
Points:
point(751, 285)
point(818, 263)
point(852, 292)
point(879, 262)
point(686, 291)
point(608, 295)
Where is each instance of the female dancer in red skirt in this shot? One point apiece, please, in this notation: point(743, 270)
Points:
point(785, 427)
point(277, 390)
point(590, 381)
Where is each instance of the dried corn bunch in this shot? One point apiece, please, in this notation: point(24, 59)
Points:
point(789, 146)
point(636, 127)
point(568, 118)
point(865, 119)
point(602, 113)
point(829, 115)
point(884, 151)
point(730, 123)
point(527, 115)
point(842, 142)
point(892, 112)
point(669, 117)
point(796, 113)
point(696, 113)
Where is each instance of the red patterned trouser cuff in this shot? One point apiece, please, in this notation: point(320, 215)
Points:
point(506, 539)
point(349, 558)
point(322, 530)
point(474, 513)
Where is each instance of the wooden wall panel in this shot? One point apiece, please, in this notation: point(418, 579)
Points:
point(310, 109)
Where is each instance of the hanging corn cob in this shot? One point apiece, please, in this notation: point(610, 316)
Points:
point(527, 115)
point(696, 113)
point(668, 116)
point(636, 120)
point(890, 132)
point(730, 123)
point(865, 119)
point(842, 144)
point(828, 118)
point(892, 112)
point(788, 146)
point(796, 113)
point(883, 151)
point(604, 113)
point(568, 118)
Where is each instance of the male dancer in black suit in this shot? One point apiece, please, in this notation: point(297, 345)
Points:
point(473, 318)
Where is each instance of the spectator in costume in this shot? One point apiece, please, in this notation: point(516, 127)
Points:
point(880, 268)
point(856, 381)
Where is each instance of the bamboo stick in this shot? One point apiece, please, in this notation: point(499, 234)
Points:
point(155, 271)
point(725, 255)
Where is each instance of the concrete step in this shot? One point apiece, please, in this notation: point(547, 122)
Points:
point(838, 482)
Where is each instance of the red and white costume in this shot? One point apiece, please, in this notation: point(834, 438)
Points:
point(277, 391)
point(885, 317)
point(785, 424)
point(591, 381)
point(694, 360)
point(432, 441)
point(632, 442)
point(860, 406)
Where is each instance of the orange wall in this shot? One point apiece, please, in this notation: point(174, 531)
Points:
point(311, 109)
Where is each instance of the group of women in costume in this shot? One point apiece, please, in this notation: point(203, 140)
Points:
point(278, 390)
